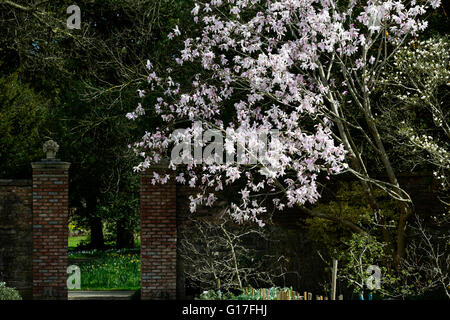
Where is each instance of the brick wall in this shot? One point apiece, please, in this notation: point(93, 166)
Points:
point(158, 238)
point(50, 231)
point(34, 218)
point(16, 235)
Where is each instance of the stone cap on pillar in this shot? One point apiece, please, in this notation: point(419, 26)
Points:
point(50, 165)
point(50, 149)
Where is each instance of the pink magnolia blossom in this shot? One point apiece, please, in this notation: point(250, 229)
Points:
point(274, 67)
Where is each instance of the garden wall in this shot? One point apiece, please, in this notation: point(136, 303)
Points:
point(34, 232)
point(16, 235)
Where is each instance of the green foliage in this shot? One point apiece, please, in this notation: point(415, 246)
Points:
point(108, 270)
point(23, 118)
point(349, 203)
point(356, 252)
point(362, 251)
point(74, 242)
point(121, 208)
point(8, 293)
point(272, 293)
point(217, 295)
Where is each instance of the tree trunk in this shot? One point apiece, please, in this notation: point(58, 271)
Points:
point(401, 238)
point(403, 206)
point(125, 238)
point(97, 239)
point(95, 224)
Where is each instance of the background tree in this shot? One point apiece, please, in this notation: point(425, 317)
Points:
point(221, 255)
point(89, 78)
point(24, 116)
point(416, 88)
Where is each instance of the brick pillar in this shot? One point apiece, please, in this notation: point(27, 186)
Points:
point(158, 237)
point(50, 229)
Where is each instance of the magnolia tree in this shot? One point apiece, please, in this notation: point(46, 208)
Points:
point(417, 85)
point(294, 66)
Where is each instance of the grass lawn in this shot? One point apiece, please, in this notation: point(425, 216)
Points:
point(108, 270)
point(75, 241)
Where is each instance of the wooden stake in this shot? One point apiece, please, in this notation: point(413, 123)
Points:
point(333, 279)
